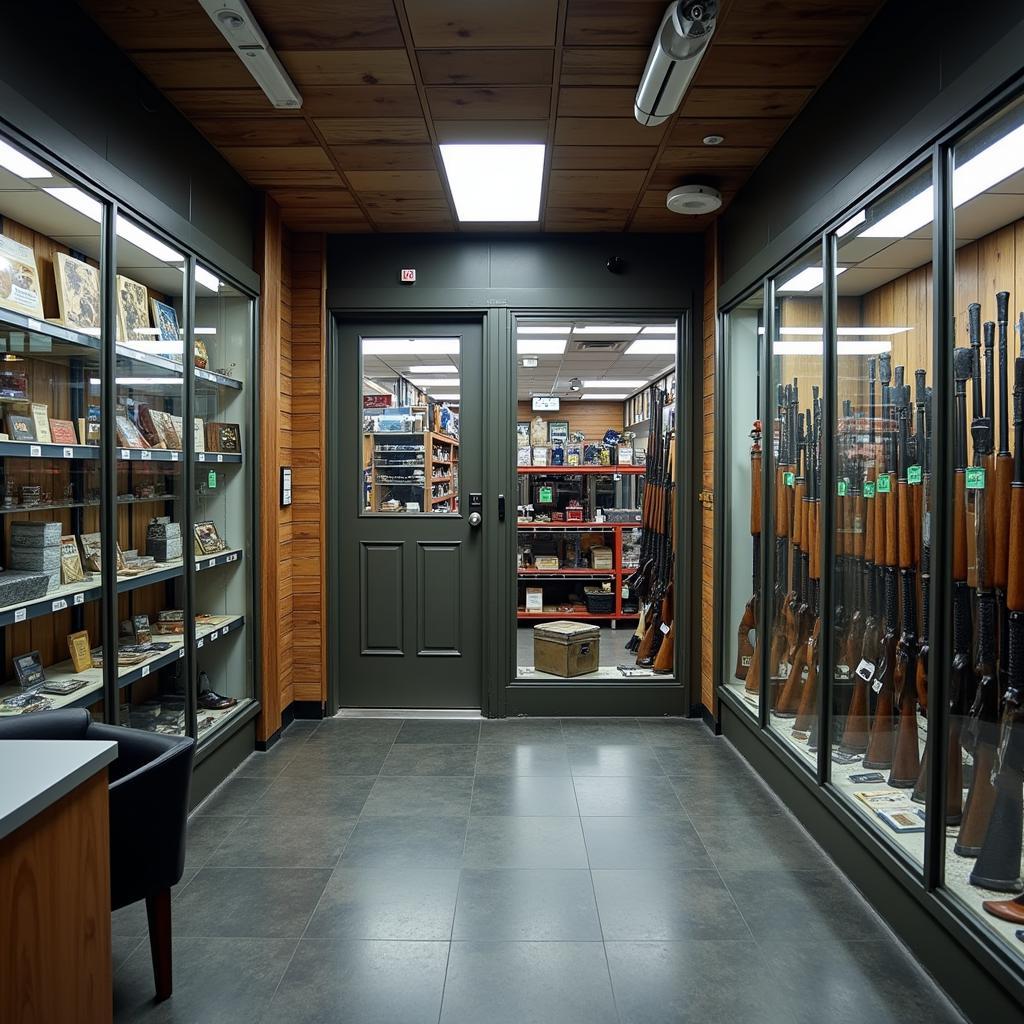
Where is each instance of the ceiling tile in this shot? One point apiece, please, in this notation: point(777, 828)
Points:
point(361, 101)
point(766, 66)
point(610, 131)
point(612, 22)
point(170, 24)
point(194, 69)
point(800, 22)
point(738, 131)
point(597, 181)
point(698, 158)
point(327, 24)
point(603, 65)
point(366, 130)
point(299, 158)
point(501, 102)
point(312, 198)
point(729, 101)
point(407, 183)
point(221, 102)
point(472, 23)
point(384, 158)
point(256, 131)
point(347, 67)
point(491, 131)
point(596, 102)
point(596, 157)
point(608, 201)
point(485, 67)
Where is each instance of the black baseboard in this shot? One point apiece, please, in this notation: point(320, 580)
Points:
point(710, 721)
point(215, 768)
point(936, 938)
point(594, 700)
point(308, 709)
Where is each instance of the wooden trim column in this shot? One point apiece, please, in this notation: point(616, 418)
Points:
point(709, 326)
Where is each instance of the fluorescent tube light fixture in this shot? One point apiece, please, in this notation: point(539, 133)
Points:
point(530, 329)
point(435, 382)
point(17, 163)
point(857, 218)
point(495, 182)
point(652, 347)
point(410, 346)
point(540, 347)
point(440, 368)
point(206, 279)
point(614, 383)
point(807, 280)
point(843, 348)
point(603, 398)
point(608, 329)
point(445, 398)
point(660, 329)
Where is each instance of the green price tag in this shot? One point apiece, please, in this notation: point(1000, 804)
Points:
point(869, 489)
point(913, 474)
point(975, 478)
point(545, 495)
point(841, 488)
point(212, 480)
point(885, 484)
point(788, 479)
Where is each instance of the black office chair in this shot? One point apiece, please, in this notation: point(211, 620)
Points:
point(149, 786)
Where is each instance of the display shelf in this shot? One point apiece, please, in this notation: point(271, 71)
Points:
point(172, 570)
point(11, 320)
point(577, 526)
point(167, 455)
point(211, 722)
point(67, 596)
point(220, 379)
point(174, 368)
point(570, 572)
point(41, 450)
point(574, 616)
point(581, 470)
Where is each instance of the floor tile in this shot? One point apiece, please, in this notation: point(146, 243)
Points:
point(802, 906)
point(741, 843)
point(267, 903)
point(665, 840)
point(267, 764)
point(326, 759)
point(602, 730)
point(417, 758)
point(122, 947)
point(522, 759)
point(421, 796)
point(292, 797)
point(510, 842)
point(406, 841)
point(284, 842)
point(230, 981)
point(595, 759)
point(521, 730)
point(369, 982)
point(691, 759)
point(357, 730)
point(233, 797)
point(626, 796)
point(716, 794)
point(666, 904)
point(432, 731)
point(523, 794)
point(535, 982)
point(130, 922)
point(695, 983)
point(674, 732)
point(387, 903)
point(517, 904)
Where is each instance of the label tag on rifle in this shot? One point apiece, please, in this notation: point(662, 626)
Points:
point(913, 474)
point(842, 671)
point(806, 672)
point(665, 628)
point(788, 479)
point(746, 660)
point(884, 484)
point(869, 489)
point(784, 669)
point(876, 686)
point(841, 488)
point(866, 670)
point(975, 478)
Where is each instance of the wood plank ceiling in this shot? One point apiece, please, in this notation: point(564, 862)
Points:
point(383, 83)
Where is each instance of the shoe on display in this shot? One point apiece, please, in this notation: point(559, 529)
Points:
point(210, 700)
point(1008, 910)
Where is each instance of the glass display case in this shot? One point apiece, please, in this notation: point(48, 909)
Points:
point(122, 465)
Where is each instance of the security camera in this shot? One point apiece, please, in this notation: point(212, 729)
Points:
point(682, 39)
point(616, 265)
point(575, 384)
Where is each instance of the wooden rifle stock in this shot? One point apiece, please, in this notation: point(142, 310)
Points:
point(664, 660)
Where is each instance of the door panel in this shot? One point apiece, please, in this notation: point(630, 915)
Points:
point(411, 578)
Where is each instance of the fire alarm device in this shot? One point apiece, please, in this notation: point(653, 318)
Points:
point(408, 275)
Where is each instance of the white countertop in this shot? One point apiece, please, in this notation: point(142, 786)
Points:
point(36, 773)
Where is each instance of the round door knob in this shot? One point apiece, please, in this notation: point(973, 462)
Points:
point(475, 519)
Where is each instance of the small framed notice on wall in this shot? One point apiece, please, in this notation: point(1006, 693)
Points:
point(286, 486)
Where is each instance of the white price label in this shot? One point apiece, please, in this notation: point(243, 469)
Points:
point(665, 628)
point(211, 563)
point(784, 669)
point(146, 455)
point(746, 660)
point(876, 686)
point(79, 598)
point(59, 605)
point(220, 458)
point(145, 671)
point(200, 457)
point(866, 670)
point(35, 325)
point(232, 558)
point(214, 635)
point(126, 453)
point(200, 643)
point(181, 653)
point(20, 614)
point(69, 453)
point(35, 451)
point(843, 671)
point(806, 672)
point(174, 456)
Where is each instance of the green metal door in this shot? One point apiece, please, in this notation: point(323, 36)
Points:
point(407, 440)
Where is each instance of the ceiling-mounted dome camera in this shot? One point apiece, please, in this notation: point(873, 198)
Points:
point(616, 265)
point(575, 384)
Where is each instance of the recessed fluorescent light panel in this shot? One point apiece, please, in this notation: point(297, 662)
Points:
point(843, 348)
point(435, 382)
point(540, 346)
point(660, 329)
point(446, 398)
point(604, 398)
point(410, 346)
point(857, 218)
point(652, 347)
point(529, 329)
point(440, 368)
point(206, 279)
point(17, 163)
point(614, 383)
point(608, 329)
point(807, 280)
point(495, 182)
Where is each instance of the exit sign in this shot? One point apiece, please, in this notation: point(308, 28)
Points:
point(408, 276)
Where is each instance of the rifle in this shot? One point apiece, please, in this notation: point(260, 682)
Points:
point(1004, 479)
point(661, 572)
point(855, 733)
point(924, 521)
point(998, 863)
point(906, 761)
point(879, 751)
point(783, 525)
point(745, 651)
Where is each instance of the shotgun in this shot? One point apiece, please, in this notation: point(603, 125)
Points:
point(924, 522)
point(998, 863)
point(746, 651)
point(1004, 479)
point(783, 524)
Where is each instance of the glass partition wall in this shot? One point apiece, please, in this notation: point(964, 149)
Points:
point(911, 468)
point(108, 489)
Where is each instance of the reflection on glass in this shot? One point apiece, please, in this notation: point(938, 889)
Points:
point(151, 535)
point(743, 652)
point(795, 614)
point(881, 440)
point(221, 533)
point(411, 389)
point(985, 748)
point(51, 611)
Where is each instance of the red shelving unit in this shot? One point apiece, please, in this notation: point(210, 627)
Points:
point(581, 470)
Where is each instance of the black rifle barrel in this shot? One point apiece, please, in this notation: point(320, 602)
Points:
point(974, 336)
point(1002, 317)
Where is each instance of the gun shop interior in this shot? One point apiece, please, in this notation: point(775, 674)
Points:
point(598, 428)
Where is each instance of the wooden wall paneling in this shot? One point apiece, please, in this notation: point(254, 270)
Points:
point(593, 418)
point(707, 513)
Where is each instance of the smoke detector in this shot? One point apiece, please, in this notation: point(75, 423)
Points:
point(694, 199)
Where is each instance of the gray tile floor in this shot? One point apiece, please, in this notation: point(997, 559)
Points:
point(380, 871)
